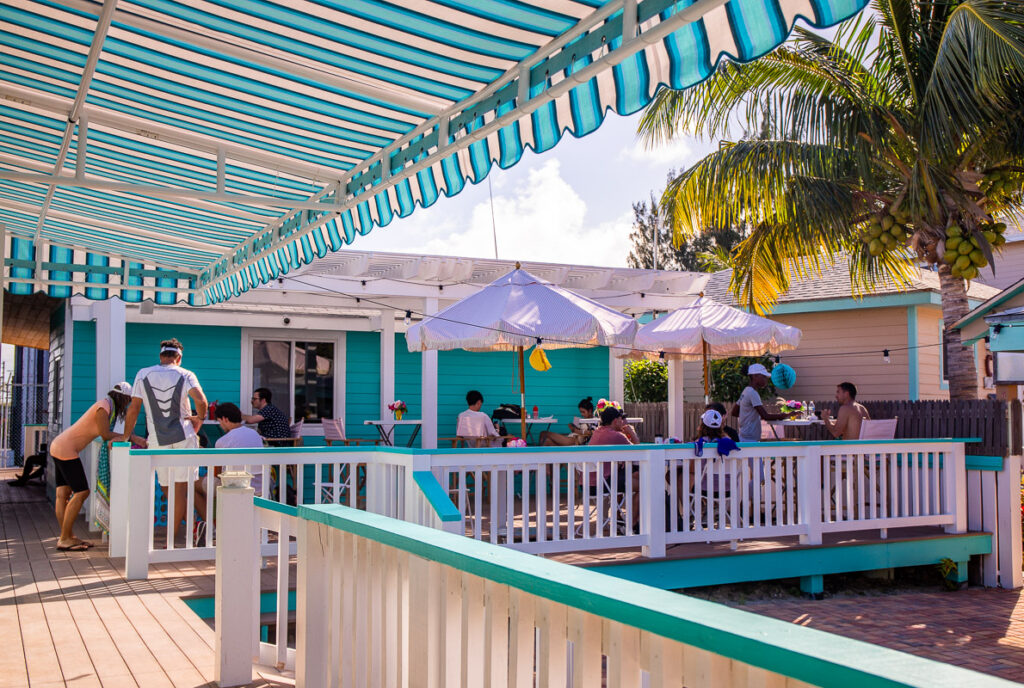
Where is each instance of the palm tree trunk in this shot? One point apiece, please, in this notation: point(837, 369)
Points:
point(963, 376)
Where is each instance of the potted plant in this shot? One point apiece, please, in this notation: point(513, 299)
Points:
point(398, 408)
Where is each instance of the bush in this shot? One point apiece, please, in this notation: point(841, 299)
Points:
point(729, 377)
point(646, 381)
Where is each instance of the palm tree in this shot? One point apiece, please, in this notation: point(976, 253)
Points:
point(898, 141)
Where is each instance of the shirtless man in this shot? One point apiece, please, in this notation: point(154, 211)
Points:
point(846, 426)
point(66, 448)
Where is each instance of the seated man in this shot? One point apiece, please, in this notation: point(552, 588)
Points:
point(34, 467)
point(615, 430)
point(475, 423)
point(272, 423)
point(846, 426)
point(237, 436)
point(579, 433)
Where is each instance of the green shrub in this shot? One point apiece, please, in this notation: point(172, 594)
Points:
point(646, 381)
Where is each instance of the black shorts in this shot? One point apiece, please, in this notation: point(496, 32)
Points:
point(70, 472)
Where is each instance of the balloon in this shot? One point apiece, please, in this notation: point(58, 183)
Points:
point(783, 376)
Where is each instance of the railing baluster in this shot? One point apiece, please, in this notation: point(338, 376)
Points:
point(790, 490)
point(169, 494)
point(478, 503)
point(541, 499)
point(556, 501)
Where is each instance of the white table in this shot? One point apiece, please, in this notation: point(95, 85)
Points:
point(596, 421)
point(386, 428)
point(793, 423)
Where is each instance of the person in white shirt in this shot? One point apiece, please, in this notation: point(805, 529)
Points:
point(474, 423)
point(750, 408)
point(238, 436)
point(165, 391)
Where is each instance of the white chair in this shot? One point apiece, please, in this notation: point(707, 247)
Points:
point(334, 431)
point(595, 480)
point(878, 429)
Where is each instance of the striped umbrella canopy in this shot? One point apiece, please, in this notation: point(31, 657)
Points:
point(518, 311)
point(195, 150)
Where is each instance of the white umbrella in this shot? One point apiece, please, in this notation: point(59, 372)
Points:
point(518, 311)
point(708, 328)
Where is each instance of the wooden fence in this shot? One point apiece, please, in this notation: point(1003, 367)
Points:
point(998, 423)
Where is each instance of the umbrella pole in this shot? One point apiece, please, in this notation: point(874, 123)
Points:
point(522, 396)
point(704, 352)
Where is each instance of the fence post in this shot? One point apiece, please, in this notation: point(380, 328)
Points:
point(956, 488)
point(312, 616)
point(119, 492)
point(1009, 532)
point(652, 502)
point(234, 600)
point(809, 494)
point(138, 488)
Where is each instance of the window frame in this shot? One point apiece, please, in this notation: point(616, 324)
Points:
point(253, 334)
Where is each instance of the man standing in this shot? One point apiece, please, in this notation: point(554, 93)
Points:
point(238, 436)
point(846, 426)
point(165, 390)
point(750, 408)
point(273, 424)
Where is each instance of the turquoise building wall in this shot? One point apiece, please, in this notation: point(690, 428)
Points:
point(214, 354)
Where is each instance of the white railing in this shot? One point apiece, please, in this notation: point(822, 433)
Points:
point(563, 500)
point(382, 602)
point(376, 481)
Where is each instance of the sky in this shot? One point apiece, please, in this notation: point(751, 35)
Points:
point(572, 204)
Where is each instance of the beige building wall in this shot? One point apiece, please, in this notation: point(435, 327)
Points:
point(1009, 264)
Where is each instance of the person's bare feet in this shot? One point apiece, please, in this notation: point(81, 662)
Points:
point(71, 546)
point(79, 541)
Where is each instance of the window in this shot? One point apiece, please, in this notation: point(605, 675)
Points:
point(299, 375)
point(1009, 368)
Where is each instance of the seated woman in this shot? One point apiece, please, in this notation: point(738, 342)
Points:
point(578, 432)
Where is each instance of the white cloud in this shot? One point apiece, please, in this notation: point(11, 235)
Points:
point(677, 153)
point(542, 218)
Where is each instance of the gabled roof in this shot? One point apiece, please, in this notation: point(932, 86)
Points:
point(834, 283)
point(995, 301)
point(205, 147)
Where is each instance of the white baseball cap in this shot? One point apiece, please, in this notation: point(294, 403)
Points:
point(123, 388)
point(711, 418)
point(758, 369)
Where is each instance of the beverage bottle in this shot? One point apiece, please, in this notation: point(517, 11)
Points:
point(810, 410)
point(536, 413)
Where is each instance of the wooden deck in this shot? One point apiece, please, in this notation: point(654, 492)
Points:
point(71, 619)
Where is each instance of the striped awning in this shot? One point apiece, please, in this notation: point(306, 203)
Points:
point(193, 150)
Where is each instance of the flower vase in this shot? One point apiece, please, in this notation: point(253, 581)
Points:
point(398, 415)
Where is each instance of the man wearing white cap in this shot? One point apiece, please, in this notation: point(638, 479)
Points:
point(165, 390)
point(750, 408)
point(101, 420)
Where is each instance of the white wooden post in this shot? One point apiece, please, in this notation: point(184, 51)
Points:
point(652, 502)
point(428, 382)
point(1008, 498)
point(140, 518)
point(955, 487)
point(311, 613)
point(616, 377)
point(675, 400)
point(234, 600)
point(110, 343)
point(809, 494)
point(387, 361)
point(119, 497)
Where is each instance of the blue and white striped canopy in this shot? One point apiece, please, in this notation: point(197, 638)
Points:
point(196, 149)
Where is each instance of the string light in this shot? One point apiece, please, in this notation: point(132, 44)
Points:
point(408, 318)
point(661, 355)
point(885, 356)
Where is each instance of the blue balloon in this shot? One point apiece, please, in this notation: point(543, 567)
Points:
point(783, 376)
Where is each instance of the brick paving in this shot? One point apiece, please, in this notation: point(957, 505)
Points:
point(980, 629)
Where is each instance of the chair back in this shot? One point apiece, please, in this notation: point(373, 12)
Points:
point(334, 429)
point(296, 429)
point(878, 429)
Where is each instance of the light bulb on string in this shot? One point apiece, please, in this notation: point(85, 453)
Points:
point(885, 356)
point(408, 318)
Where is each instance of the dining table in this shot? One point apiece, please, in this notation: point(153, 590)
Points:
point(386, 429)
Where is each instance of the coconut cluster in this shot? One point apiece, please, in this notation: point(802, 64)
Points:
point(963, 249)
point(885, 232)
point(1001, 183)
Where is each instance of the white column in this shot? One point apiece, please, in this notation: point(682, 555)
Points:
point(312, 616)
point(234, 600)
point(119, 494)
point(616, 377)
point(3, 275)
point(140, 516)
point(110, 345)
point(675, 400)
point(428, 383)
point(387, 362)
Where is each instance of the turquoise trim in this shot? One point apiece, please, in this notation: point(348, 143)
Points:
point(819, 560)
point(804, 654)
point(205, 607)
point(847, 303)
point(435, 494)
point(1010, 338)
point(913, 358)
point(986, 306)
point(984, 463)
point(943, 382)
point(270, 505)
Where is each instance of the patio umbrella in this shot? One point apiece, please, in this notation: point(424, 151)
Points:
point(708, 328)
point(518, 311)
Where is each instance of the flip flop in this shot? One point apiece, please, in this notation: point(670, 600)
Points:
point(79, 547)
